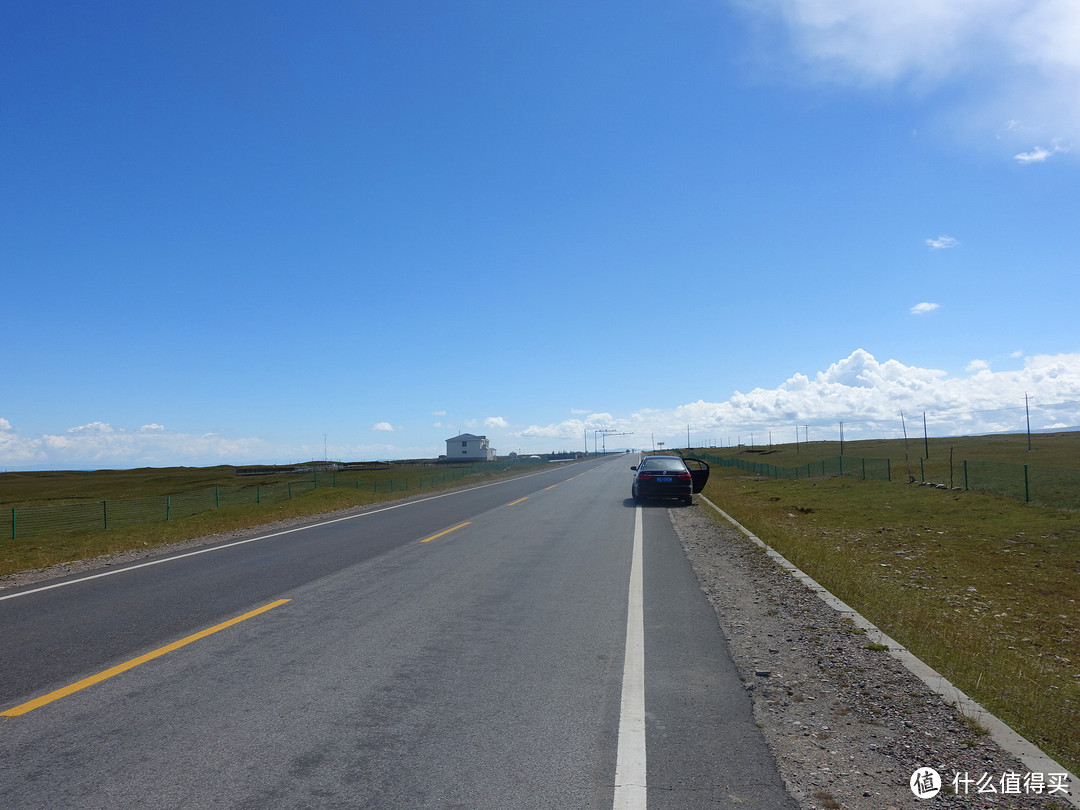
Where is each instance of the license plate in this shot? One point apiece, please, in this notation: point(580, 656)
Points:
point(664, 479)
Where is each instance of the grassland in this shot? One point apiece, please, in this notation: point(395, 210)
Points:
point(982, 587)
point(34, 489)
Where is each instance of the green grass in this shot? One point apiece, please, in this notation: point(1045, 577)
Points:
point(64, 488)
point(1053, 450)
point(982, 587)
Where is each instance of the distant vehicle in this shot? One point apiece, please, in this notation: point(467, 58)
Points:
point(668, 477)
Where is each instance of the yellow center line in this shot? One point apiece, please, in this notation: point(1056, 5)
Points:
point(446, 531)
point(519, 500)
point(551, 487)
point(142, 659)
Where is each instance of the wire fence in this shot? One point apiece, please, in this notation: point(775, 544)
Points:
point(1051, 486)
point(31, 521)
point(870, 469)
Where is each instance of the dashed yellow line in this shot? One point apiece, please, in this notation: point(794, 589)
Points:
point(519, 500)
point(446, 531)
point(142, 659)
point(551, 487)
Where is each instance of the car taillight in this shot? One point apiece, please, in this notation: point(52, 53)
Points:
point(684, 477)
point(644, 477)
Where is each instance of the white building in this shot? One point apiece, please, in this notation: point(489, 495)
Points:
point(468, 447)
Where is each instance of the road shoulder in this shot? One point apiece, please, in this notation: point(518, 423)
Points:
point(847, 724)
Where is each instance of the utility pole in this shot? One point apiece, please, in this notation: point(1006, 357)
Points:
point(1027, 413)
point(925, 437)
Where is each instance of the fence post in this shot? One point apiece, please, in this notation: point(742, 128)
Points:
point(217, 496)
point(105, 513)
point(888, 469)
point(290, 490)
point(965, 476)
point(922, 470)
point(1027, 490)
point(13, 535)
point(864, 469)
point(258, 494)
point(168, 507)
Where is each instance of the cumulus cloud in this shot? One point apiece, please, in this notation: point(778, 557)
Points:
point(100, 444)
point(924, 308)
point(943, 242)
point(977, 365)
point(383, 426)
point(1007, 61)
point(867, 395)
point(496, 422)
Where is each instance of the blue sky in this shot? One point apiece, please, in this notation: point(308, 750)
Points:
point(230, 229)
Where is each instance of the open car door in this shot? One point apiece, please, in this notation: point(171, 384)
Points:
point(699, 471)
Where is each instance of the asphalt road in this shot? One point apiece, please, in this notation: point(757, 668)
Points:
point(466, 650)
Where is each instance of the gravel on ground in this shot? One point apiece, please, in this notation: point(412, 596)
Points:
point(848, 725)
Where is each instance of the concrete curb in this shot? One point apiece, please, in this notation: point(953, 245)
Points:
point(1024, 750)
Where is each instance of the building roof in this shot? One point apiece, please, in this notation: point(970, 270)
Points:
point(465, 437)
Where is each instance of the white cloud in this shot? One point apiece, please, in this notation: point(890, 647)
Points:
point(864, 393)
point(1039, 154)
point(1010, 60)
point(943, 242)
point(438, 413)
point(99, 444)
point(977, 365)
point(924, 308)
point(383, 426)
point(496, 422)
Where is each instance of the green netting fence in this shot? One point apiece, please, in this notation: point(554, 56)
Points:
point(871, 469)
point(1052, 486)
point(30, 521)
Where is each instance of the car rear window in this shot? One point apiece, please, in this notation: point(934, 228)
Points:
point(663, 464)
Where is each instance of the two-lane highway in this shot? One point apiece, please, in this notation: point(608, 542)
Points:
point(464, 650)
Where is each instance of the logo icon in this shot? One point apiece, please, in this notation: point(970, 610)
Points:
point(925, 783)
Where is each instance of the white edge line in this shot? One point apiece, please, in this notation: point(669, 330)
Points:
point(630, 768)
point(210, 548)
point(1020, 747)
